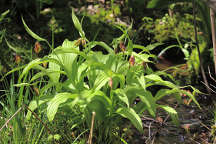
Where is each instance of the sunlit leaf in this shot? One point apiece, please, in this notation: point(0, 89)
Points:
point(122, 96)
point(149, 100)
point(130, 114)
point(56, 101)
point(77, 24)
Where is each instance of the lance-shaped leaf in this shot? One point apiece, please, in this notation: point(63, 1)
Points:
point(34, 35)
point(130, 114)
point(77, 24)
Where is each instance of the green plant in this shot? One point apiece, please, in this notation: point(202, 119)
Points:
point(86, 81)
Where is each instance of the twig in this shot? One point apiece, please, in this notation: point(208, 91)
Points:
point(92, 127)
point(35, 115)
point(211, 75)
point(194, 141)
point(209, 87)
point(153, 140)
point(205, 126)
point(11, 118)
point(212, 16)
point(198, 49)
point(151, 119)
point(149, 130)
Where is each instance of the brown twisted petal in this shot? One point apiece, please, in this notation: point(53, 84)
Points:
point(132, 61)
point(122, 46)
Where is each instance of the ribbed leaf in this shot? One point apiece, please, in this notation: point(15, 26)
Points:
point(101, 80)
point(130, 114)
point(56, 101)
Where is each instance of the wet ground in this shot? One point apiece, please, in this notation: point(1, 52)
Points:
point(195, 127)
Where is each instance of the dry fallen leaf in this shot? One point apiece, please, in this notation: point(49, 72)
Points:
point(159, 119)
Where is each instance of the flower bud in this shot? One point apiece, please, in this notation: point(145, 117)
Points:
point(17, 59)
point(37, 47)
point(110, 83)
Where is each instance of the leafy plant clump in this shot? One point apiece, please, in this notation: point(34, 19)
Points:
point(76, 81)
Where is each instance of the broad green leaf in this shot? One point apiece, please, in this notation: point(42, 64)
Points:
point(122, 96)
point(118, 78)
point(154, 77)
point(35, 36)
point(147, 98)
point(131, 92)
point(160, 81)
point(54, 67)
point(68, 60)
point(46, 87)
point(101, 80)
point(56, 101)
point(142, 82)
point(100, 106)
point(172, 112)
point(130, 114)
point(165, 92)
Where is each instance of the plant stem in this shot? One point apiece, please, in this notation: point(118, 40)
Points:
point(92, 127)
point(198, 49)
point(212, 16)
